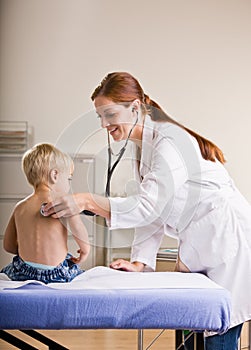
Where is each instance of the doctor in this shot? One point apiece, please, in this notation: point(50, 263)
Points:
point(184, 191)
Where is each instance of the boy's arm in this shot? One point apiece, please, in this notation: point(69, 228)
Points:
point(80, 234)
point(10, 243)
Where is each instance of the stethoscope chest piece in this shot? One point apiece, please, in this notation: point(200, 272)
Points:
point(42, 209)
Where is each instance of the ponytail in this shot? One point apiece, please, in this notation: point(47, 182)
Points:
point(208, 149)
point(122, 87)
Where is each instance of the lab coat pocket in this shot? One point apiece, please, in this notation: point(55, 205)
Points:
point(211, 237)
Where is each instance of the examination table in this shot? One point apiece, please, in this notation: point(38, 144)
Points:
point(102, 298)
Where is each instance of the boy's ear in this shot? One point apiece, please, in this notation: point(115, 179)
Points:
point(53, 175)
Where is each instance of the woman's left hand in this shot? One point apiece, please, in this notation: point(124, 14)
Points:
point(125, 265)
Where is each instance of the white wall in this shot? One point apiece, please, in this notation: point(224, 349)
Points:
point(193, 57)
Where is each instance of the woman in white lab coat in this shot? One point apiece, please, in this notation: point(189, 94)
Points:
point(184, 191)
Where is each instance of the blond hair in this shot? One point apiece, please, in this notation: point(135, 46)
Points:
point(38, 161)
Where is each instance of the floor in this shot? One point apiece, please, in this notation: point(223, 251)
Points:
point(108, 339)
point(100, 339)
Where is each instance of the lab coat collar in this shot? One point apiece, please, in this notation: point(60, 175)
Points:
point(147, 143)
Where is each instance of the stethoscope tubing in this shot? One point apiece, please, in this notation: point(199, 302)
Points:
point(110, 167)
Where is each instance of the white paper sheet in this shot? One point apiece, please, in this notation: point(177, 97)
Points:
point(105, 278)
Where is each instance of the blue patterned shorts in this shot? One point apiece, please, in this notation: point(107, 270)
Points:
point(18, 270)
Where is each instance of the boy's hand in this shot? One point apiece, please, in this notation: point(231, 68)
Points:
point(80, 258)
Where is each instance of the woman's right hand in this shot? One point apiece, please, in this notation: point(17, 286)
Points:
point(66, 205)
point(62, 206)
point(121, 264)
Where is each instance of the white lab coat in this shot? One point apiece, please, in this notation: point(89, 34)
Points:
point(184, 196)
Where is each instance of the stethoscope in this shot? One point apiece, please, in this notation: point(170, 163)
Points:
point(110, 167)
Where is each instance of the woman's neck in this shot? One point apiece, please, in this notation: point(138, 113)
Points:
point(137, 133)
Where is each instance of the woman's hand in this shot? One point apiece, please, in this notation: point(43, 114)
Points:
point(66, 205)
point(125, 265)
point(63, 206)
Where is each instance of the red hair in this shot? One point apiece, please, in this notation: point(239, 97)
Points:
point(122, 87)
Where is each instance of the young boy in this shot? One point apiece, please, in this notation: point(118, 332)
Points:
point(40, 243)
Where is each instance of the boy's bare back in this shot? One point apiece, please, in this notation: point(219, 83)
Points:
point(40, 239)
point(30, 235)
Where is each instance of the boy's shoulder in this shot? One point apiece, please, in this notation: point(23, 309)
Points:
point(23, 202)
